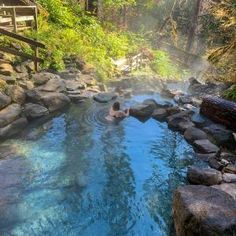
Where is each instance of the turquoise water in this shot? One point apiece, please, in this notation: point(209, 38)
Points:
point(86, 176)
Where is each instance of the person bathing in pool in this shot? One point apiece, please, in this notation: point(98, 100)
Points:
point(115, 112)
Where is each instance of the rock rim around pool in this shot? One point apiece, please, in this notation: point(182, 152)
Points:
point(202, 210)
point(104, 97)
point(204, 176)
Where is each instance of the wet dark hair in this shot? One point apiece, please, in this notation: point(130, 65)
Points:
point(116, 106)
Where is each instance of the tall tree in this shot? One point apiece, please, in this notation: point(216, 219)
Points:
point(193, 27)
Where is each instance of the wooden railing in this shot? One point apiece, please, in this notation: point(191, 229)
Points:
point(10, 17)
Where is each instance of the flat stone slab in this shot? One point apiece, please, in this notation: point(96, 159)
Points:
point(205, 146)
point(104, 97)
point(202, 210)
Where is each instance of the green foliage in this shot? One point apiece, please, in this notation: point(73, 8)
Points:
point(230, 93)
point(118, 3)
point(163, 66)
point(67, 31)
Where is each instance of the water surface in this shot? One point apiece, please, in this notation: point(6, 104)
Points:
point(87, 176)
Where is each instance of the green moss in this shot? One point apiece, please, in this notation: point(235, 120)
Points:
point(230, 93)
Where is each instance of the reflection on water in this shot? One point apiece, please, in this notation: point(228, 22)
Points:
point(86, 176)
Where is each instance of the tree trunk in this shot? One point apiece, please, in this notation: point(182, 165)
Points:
point(220, 110)
point(193, 26)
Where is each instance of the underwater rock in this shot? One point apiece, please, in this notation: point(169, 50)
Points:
point(6, 69)
point(202, 210)
point(205, 146)
point(204, 176)
point(104, 97)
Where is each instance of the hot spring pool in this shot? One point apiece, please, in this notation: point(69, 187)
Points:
point(86, 176)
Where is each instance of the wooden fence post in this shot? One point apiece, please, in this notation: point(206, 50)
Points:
point(14, 19)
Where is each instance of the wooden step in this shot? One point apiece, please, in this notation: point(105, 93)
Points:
point(18, 19)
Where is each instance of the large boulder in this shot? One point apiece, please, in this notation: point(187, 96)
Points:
point(34, 96)
point(9, 114)
point(160, 114)
point(104, 97)
point(180, 121)
point(14, 128)
point(192, 133)
point(53, 85)
point(55, 101)
point(43, 77)
point(204, 176)
point(33, 111)
point(4, 100)
point(221, 135)
point(205, 146)
point(205, 211)
point(17, 94)
point(141, 110)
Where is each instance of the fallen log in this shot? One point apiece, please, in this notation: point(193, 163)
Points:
point(220, 110)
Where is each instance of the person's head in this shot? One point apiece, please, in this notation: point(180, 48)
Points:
point(116, 106)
